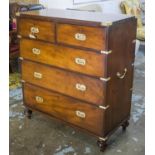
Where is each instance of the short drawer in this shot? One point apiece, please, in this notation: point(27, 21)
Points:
point(82, 36)
point(85, 62)
point(36, 29)
point(65, 108)
point(68, 83)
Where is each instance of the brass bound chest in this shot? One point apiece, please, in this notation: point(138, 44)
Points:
point(77, 67)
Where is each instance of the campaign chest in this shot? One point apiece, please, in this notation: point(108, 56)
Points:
point(77, 67)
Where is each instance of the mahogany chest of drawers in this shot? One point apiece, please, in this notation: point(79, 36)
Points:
point(78, 67)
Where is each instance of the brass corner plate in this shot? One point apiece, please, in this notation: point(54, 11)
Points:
point(19, 36)
point(17, 14)
point(106, 24)
point(103, 138)
point(104, 107)
point(106, 52)
point(22, 81)
point(105, 79)
point(21, 58)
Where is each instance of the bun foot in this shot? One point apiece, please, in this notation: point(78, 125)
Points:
point(125, 125)
point(102, 145)
point(28, 113)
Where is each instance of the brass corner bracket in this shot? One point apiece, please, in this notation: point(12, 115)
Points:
point(23, 81)
point(21, 58)
point(18, 14)
point(106, 52)
point(106, 24)
point(19, 36)
point(103, 138)
point(104, 107)
point(105, 79)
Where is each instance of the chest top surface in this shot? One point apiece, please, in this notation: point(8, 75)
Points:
point(96, 18)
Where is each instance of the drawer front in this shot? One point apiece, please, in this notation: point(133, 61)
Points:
point(65, 108)
point(83, 36)
point(89, 63)
point(36, 29)
point(72, 84)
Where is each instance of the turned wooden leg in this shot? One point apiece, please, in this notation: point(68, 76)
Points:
point(28, 113)
point(102, 144)
point(125, 125)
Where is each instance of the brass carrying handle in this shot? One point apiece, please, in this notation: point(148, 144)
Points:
point(121, 76)
point(80, 36)
point(39, 99)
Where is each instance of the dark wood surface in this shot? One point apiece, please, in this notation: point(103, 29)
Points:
point(64, 57)
point(46, 29)
point(95, 37)
point(119, 91)
point(78, 17)
point(64, 82)
point(65, 108)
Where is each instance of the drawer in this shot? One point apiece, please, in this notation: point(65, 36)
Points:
point(64, 108)
point(65, 82)
point(36, 29)
point(82, 36)
point(85, 62)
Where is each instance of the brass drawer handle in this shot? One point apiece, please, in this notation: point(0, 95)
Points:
point(80, 87)
point(80, 36)
point(34, 30)
point(80, 114)
point(80, 61)
point(121, 76)
point(37, 75)
point(39, 99)
point(36, 51)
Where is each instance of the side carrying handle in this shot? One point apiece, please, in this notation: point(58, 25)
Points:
point(121, 76)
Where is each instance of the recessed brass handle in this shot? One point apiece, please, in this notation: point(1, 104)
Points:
point(34, 30)
point(121, 76)
point(80, 61)
point(39, 99)
point(80, 36)
point(37, 75)
point(80, 87)
point(36, 51)
point(80, 114)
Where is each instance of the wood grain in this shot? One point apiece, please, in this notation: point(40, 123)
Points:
point(64, 57)
point(65, 108)
point(64, 82)
point(119, 90)
point(46, 29)
point(95, 37)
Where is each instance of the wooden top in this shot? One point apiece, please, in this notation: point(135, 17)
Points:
point(95, 18)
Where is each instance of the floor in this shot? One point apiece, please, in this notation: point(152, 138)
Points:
point(44, 136)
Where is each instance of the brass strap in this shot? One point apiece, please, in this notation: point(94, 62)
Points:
point(105, 79)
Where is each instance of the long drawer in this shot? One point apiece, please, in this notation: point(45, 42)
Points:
point(82, 36)
point(86, 62)
point(67, 109)
point(36, 29)
point(72, 84)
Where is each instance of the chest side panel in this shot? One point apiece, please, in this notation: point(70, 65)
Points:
point(120, 69)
